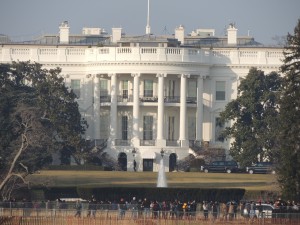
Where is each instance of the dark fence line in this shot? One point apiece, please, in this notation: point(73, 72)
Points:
point(133, 213)
point(111, 220)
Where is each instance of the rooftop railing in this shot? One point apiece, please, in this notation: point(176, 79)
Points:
point(82, 54)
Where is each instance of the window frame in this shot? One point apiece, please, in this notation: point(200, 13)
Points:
point(220, 95)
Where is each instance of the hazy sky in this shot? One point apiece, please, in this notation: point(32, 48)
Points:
point(263, 18)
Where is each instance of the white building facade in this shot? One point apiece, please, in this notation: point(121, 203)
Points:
point(144, 95)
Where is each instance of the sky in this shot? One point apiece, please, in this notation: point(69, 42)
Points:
point(262, 19)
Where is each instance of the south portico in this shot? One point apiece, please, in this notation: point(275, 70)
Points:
point(149, 112)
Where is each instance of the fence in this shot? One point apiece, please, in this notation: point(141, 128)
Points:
point(108, 216)
point(139, 221)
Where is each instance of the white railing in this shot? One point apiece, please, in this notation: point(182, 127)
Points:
point(143, 54)
point(48, 51)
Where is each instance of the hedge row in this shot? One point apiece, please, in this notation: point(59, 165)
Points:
point(160, 194)
point(78, 167)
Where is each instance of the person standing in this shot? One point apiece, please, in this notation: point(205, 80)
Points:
point(122, 208)
point(205, 210)
point(78, 207)
point(134, 165)
point(134, 208)
point(146, 206)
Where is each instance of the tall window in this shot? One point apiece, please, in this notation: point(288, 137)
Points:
point(148, 128)
point(219, 127)
point(75, 86)
point(104, 128)
point(192, 128)
point(148, 88)
point(124, 127)
point(125, 88)
point(192, 88)
point(171, 128)
point(103, 88)
point(171, 91)
point(220, 90)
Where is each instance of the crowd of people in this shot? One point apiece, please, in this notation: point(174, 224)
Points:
point(140, 208)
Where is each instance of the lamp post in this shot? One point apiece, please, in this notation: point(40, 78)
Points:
point(133, 152)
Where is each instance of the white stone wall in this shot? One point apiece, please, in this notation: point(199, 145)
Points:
point(88, 64)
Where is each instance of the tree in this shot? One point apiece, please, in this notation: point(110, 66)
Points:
point(253, 116)
point(38, 116)
point(289, 163)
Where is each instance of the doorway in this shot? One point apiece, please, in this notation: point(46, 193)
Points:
point(122, 161)
point(172, 162)
point(148, 165)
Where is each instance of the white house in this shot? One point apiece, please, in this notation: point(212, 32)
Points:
point(144, 94)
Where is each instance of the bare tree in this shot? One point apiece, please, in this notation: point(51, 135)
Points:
point(30, 133)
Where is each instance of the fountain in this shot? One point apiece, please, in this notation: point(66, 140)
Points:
point(161, 179)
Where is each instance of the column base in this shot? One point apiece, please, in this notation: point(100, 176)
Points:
point(135, 142)
point(161, 143)
point(184, 143)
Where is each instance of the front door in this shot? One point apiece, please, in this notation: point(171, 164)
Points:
point(122, 161)
point(172, 162)
point(148, 165)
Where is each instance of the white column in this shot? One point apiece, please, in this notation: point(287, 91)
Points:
point(97, 134)
point(199, 115)
point(113, 108)
point(160, 140)
point(136, 109)
point(182, 127)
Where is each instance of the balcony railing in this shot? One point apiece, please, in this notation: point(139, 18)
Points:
point(167, 99)
point(106, 98)
point(172, 99)
point(191, 100)
point(148, 99)
point(124, 98)
point(147, 142)
point(120, 142)
point(175, 143)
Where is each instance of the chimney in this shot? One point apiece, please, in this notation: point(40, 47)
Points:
point(64, 31)
point(116, 34)
point(232, 34)
point(179, 34)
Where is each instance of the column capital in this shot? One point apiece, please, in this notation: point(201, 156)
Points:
point(111, 74)
point(99, 75)
point(184, 75)
point(88, 75)
point(135, 74)
point(203, 76)
point(161, 75)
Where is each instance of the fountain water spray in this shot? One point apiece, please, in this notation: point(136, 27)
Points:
point(161, 179)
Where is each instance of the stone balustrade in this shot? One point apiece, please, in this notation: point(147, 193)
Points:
point(59, 54)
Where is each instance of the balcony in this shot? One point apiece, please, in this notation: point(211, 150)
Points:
point(172, 99)
point(125, 98)
point(175, 143)
point(120, 142)
point(106, 98)
point(191, 100)
point(147, 142)
point(148, 99)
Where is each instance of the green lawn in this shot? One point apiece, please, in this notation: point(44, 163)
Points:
point(250, 182)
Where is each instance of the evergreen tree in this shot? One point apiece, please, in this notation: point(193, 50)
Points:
point(253, 116)
point(289, 154)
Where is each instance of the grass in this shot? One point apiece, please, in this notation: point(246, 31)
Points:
point(59, 178)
